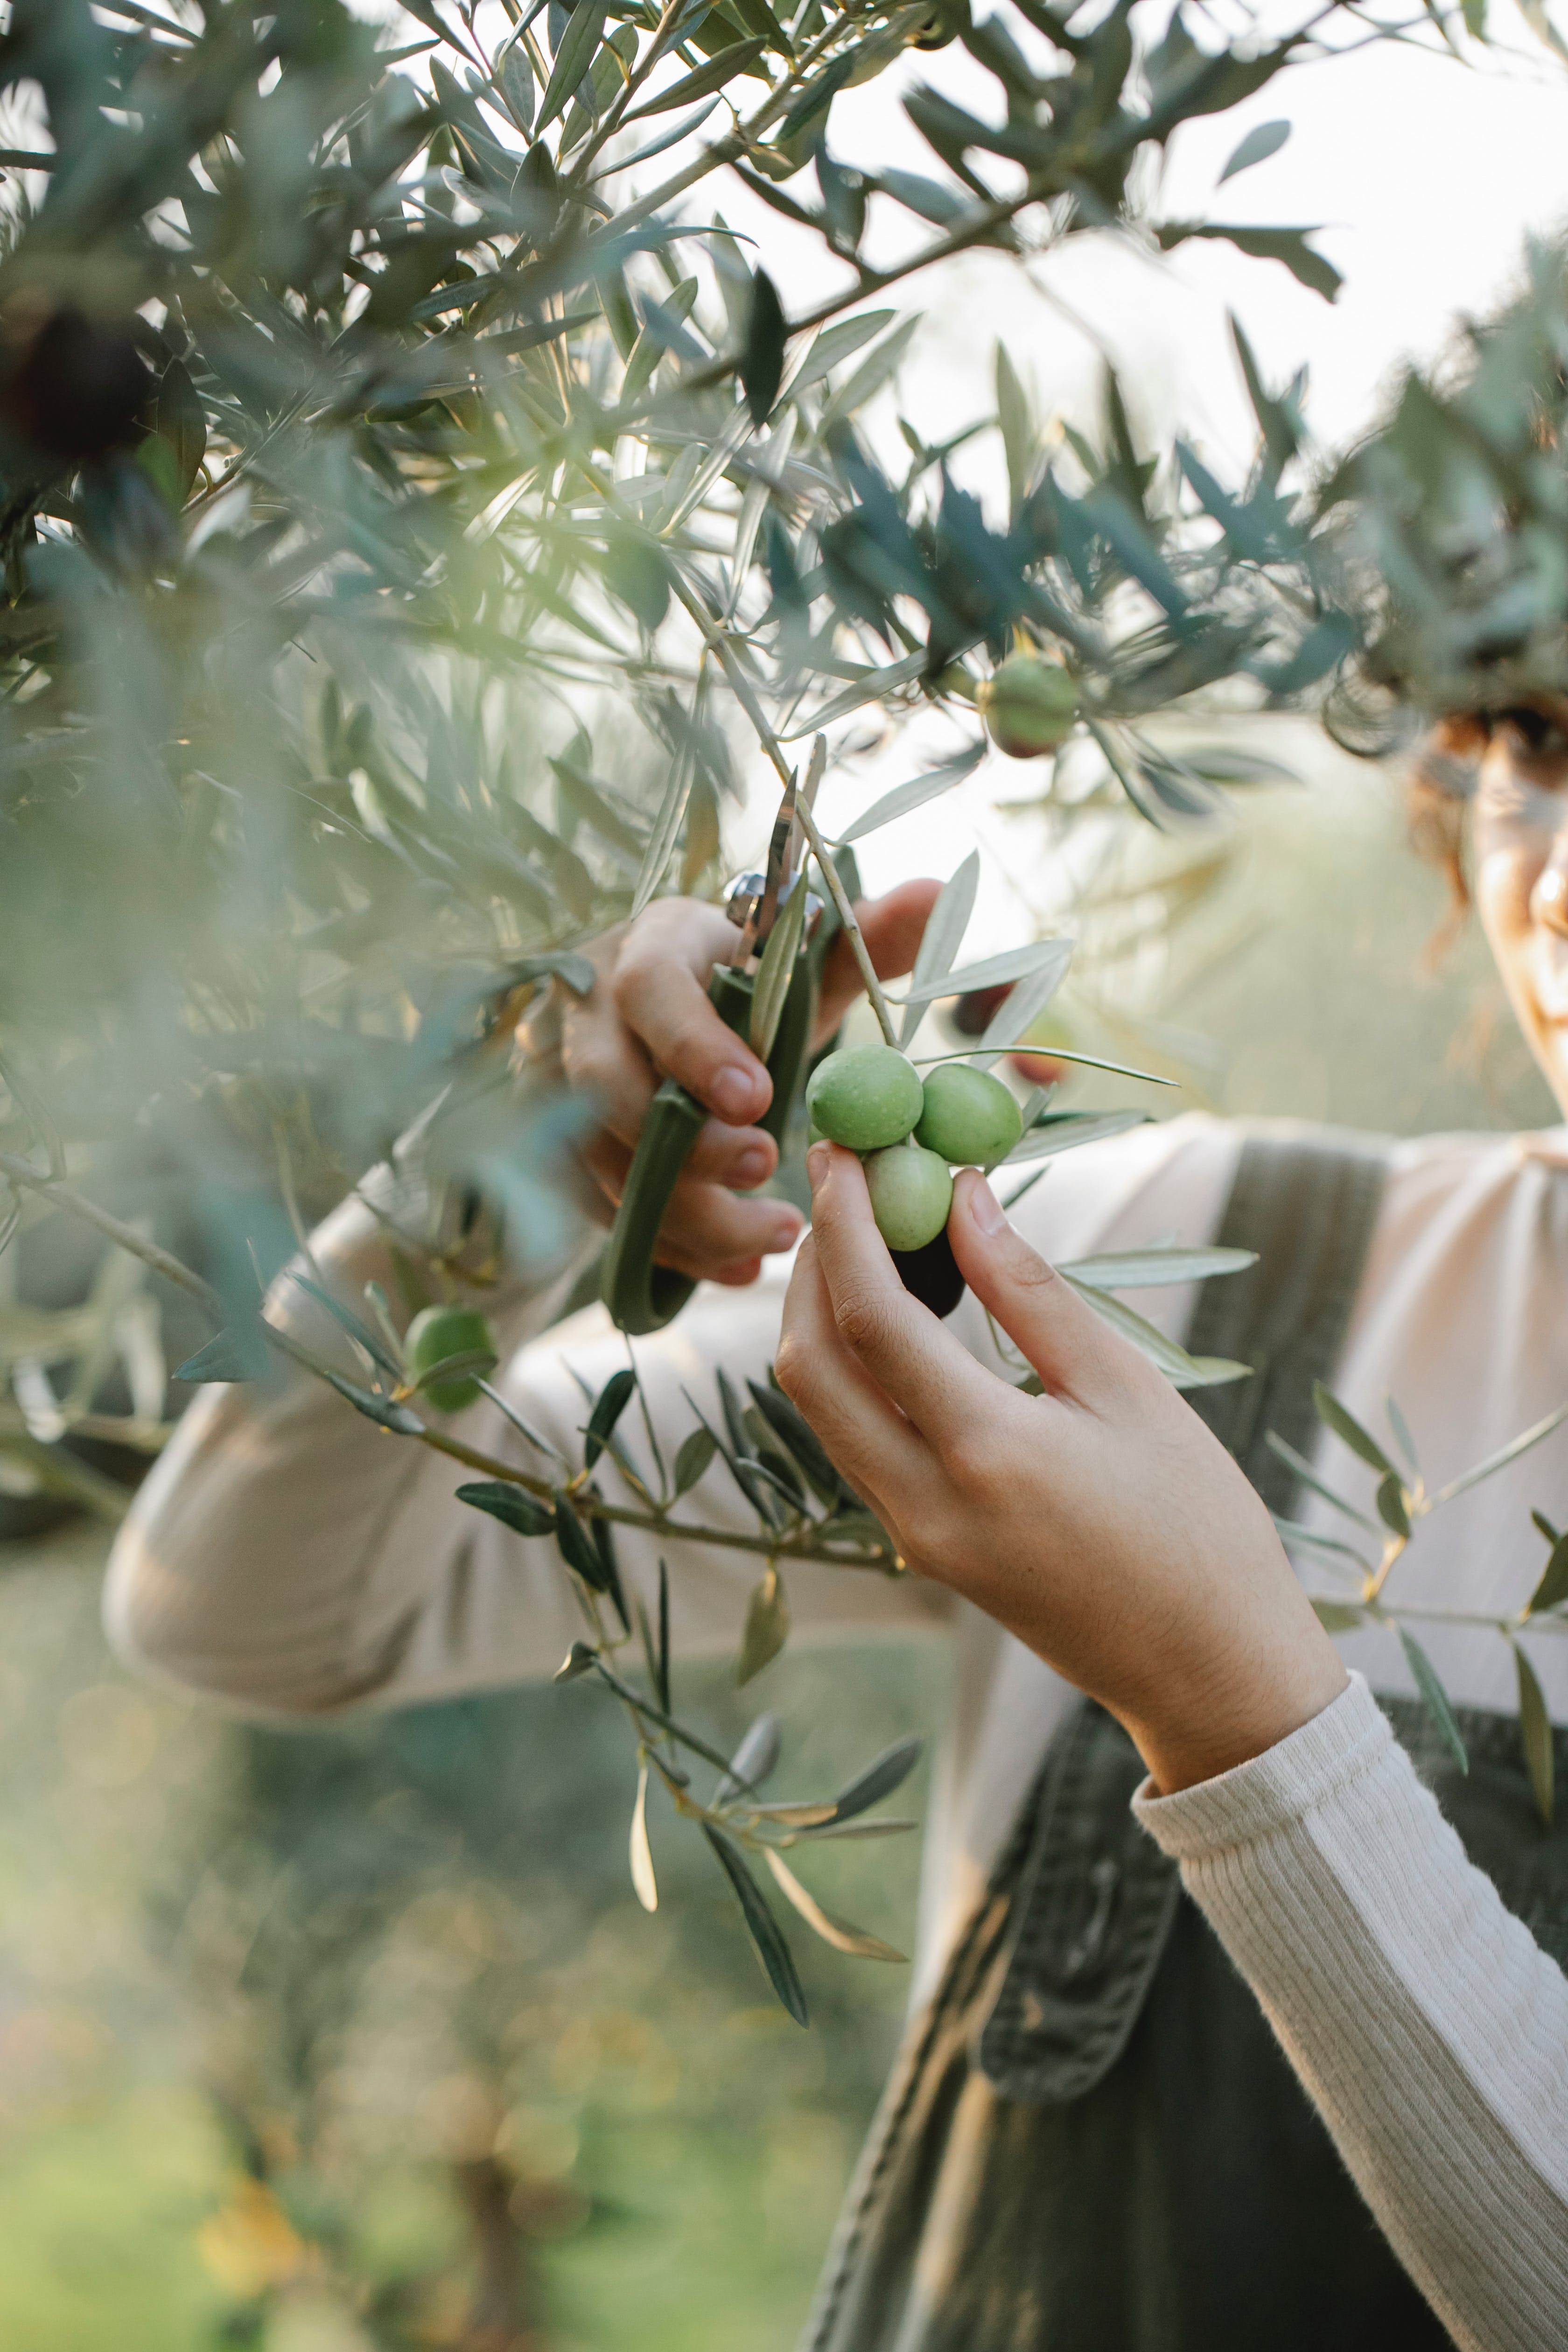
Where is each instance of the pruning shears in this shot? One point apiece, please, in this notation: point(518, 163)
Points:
point(642, 1297)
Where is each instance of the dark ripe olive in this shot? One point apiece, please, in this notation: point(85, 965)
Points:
point(931, 1275)
point(865, 1097)
point(74, 387)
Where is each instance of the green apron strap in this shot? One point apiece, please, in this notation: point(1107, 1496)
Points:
point(1307, 1206)
point(1094, 1903)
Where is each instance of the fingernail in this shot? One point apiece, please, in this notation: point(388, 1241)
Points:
point(786, 1234)
point(985, 1209)
point(816, 1165)
point(752, 1167)
point(733, 1093)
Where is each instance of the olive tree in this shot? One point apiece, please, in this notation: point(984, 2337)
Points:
point(421, 514)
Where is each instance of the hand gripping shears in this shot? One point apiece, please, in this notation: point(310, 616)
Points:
point(642, 1297)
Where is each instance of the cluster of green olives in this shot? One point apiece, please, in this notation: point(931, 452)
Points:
point(910, 1135)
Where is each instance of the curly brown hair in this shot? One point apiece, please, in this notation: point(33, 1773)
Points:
point(1438, 784)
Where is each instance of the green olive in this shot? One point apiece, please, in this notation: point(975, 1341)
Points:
point(437, 1333)
point(1028, 705)
point(911, 1193)
point(970, 1117)
point(864, 1096)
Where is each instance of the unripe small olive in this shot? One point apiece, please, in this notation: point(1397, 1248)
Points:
point(865, 1097)
point(439, 1332)
point(911, 1193)
point(1028, 706)
point(970, 1117)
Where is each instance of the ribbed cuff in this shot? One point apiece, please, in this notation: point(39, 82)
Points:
point(1307, 1769)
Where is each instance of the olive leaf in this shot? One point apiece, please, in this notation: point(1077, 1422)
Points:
point(509, 1505)
point(766, 1629)
point(611, 1402)
point(1182, 1371)
point(1391, 1505)
point(1023, 1005)
point(1017, 422)
point(777, 970)
point(1552, 1587)
point(836, 1932)
point(1338, 1616)
point(914, 794)
point(1148, 1269)
point(1026, 962)
point(792, 1429)
point(580, 1549)
point(768, 1942)
point(941, 940)
point(380, 1409)
point(836, 344)
point(871, 686)
point(1287, 245)
point(572, 58)
point(359, 1330)
point(1293, 1532)
point(1535, 1729)
point(880, 1779)
point(1346, 1426)
point(1309, 1477)
point(1504, 1455)
point(1436, 1698)
point(1402, 1436)
point(697, 1451)
point(1265, 139)
point(1064, 1131)
point(701, 82)
point(237, 1353)
point(754, 1760)
point(645, 1885)
point(878, 368)
point(466, 1364)
point(762, 360)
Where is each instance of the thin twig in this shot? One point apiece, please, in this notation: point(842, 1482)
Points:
point(65, 1196)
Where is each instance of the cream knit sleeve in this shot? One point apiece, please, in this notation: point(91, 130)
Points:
point(1423, 2018)
point(288, 1558)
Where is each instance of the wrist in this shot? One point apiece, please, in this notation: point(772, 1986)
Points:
point(1201, 1725)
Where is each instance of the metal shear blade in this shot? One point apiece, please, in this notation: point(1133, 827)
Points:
point(760, 921)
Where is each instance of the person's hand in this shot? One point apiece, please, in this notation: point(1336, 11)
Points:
point(1101, 1522)
point(648, 1017)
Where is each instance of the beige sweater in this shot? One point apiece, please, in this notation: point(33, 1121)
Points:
point(288, 1558)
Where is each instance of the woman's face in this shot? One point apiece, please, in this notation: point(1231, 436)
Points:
point(1521, 856)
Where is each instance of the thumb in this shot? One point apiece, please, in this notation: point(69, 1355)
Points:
point(1056, 1331)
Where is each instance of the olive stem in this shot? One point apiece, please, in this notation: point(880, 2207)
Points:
point(852, 931)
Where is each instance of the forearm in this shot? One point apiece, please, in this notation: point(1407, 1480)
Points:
point(1427, 2025)
point(282, 1549)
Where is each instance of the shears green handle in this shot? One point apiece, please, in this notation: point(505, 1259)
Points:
point(642, 1297)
